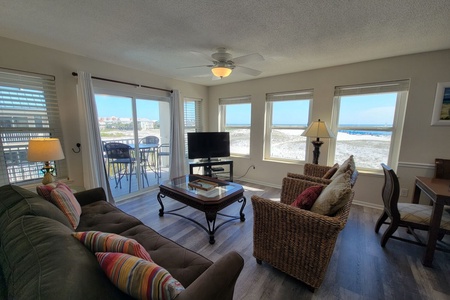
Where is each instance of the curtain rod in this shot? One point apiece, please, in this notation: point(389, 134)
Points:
point(127, 83)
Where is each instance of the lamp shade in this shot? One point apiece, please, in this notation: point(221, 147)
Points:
point(221, 71)
point(44, 149)
point(318, 129)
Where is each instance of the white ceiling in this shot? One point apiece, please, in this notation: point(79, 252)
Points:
point(157, 36)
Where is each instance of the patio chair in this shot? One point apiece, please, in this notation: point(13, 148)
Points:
point(120, 158)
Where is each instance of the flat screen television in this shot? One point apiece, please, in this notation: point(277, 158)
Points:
point(208, 145)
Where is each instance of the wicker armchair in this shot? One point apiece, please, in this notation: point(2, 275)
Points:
point(295, 241)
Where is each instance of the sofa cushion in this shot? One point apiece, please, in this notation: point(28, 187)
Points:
point(105, 217)
point(138, 277)
point(184, 264)
point(98, 241)
point(334, 196)
point(307, 198)
point(16, 202)
point(41, 260)
point(64, 199)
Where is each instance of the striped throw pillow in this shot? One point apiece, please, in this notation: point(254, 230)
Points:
point(137, 277)
point(98, 241)
point(44, 190)
point(64, 199)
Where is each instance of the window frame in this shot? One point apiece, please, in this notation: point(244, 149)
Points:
point(401, 87)
point(198, 120)
point(27, 96)
point(223, 102)
point(300, 95)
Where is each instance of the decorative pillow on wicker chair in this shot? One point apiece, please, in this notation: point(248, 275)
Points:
point(334, 196)
point(98, 241)
point(44, 190)
point(331, 171)
point(137, 277)
point(64, 199)
point(307, 198)
point(347, 165)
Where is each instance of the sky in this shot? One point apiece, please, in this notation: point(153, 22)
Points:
point(368, 109)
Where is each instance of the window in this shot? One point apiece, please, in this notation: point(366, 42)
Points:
point(28, 109)
point(287, 117)
point(369, 121)
point(235, 117)
point(192, 117)
point(134, 118)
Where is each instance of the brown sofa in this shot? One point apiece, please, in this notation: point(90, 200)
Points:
point(40, 259)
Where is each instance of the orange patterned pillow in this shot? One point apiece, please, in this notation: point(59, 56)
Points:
point(137, 277)
point(98, 241)
point(64, 199)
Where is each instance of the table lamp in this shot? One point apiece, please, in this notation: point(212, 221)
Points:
point(46, 150)
point(317, 129)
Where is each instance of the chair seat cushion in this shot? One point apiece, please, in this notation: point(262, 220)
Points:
point(419, 213)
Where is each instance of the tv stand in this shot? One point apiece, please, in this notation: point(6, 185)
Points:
point(211, 168)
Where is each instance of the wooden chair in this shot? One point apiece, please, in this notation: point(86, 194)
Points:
point(293, 240)
point(409, 215)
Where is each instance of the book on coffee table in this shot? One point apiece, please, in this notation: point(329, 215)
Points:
point(202, 184)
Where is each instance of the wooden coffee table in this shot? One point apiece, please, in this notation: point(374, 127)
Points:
point(210, 202)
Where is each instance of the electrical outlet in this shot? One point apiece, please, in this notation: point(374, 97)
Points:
point(404, 192)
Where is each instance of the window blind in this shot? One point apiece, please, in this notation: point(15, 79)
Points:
point(28, 109)
point(235, 100)
point(372, 88)
point(286, 96)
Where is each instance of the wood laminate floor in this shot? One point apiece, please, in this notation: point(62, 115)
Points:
point(359, 268)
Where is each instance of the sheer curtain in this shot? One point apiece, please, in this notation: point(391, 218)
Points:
point(178, 163)
point(94, 171)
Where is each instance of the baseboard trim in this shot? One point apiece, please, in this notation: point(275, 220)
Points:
point(366, 204)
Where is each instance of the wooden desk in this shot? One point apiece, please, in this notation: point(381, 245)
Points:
point(438, 190)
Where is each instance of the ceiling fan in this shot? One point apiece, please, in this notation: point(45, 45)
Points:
point(223, 63)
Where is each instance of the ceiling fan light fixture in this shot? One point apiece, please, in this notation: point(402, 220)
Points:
point(221, 71)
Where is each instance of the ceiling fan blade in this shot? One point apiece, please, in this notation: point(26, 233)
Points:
point(203, 56)
point(248, 58)
point(248, 71)
point(202, 66)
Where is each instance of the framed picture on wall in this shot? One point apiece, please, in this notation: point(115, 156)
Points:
point(441, 111)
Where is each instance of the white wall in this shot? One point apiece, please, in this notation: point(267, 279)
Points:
point(31, 58)
point(421, 142)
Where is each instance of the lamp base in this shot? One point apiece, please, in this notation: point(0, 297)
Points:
point(48, 178)
point(316, 151)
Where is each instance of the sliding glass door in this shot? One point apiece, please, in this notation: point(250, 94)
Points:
point(133, 129)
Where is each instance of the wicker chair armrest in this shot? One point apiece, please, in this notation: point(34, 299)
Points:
point(276, 214)
point(292, 187)
point(309, 178)
point(315, 170)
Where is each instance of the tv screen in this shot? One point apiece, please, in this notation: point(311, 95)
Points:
point(208, 145)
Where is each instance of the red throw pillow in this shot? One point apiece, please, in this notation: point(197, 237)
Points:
point(307, 198)
point(331, 172)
